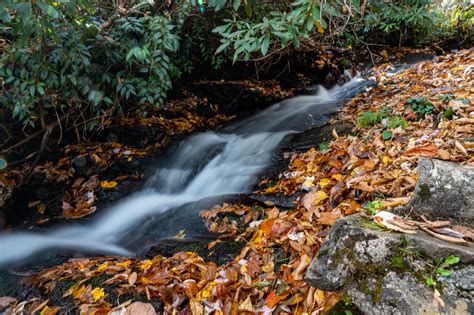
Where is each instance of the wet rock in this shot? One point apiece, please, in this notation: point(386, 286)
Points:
point(279, 200)
point(370, 267)
point(444, 191)
point(80, 165)
point(313, 137)
point(164, 226)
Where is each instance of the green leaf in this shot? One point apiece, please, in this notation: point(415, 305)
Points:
point(356, 4)
point(40, 90)
point(451, 260)
point(265, 45)
point(48, 10)
point(316, 12)
point(430, 281)
point(443, 272)
point(236, 4)
point(248, 9)
point(222, 47)
point(449, 113)
point(387, 135)
point(323, 146)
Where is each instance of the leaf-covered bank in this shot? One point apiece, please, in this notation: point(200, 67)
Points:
point(425, 110)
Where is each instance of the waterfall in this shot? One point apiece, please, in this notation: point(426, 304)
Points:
point(207, 164)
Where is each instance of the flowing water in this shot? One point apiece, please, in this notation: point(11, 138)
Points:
point(207, 164)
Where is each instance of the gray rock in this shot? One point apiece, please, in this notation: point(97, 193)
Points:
point(444, 190)
point(360, 261)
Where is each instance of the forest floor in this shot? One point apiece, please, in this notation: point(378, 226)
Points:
point(425, 110)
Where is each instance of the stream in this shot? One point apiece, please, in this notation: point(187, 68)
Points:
point(208, 164)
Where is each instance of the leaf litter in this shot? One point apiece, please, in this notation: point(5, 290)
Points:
point(268, 274)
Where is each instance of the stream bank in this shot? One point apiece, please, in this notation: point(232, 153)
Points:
point(282, 240)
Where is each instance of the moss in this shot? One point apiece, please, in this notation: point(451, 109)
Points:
point(98, 281)
point(371, 225)
point(424, 193)
point(374, 290)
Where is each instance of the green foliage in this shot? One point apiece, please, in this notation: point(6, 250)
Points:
point(451, 260)
point(64, 57)
point(454, 19)
point(442, 269)
point(396, 121)
point(262, 32)
point(448, 114)
point(323, 146)
point(374, 206)
point(406, 20)
point(387, 134)
point(60, 58)
point(421, 106)
point(368, 119)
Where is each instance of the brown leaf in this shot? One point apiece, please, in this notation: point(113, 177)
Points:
point(327, 218)
point(444, 237)
point(246, 306)
point(468, 232)
point(140, 308)
point(6, 301)
point(132, 278)
point(428, 150)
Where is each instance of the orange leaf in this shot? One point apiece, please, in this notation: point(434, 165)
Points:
point(273, 299)
point(266, 226)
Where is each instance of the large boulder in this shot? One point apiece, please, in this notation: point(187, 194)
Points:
point(444, 190)
point(384, 272)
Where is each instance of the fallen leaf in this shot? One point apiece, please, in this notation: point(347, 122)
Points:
point(108, 184)
point(467, 232)
point(6, 301)
point(428, 150)
point(132, 278)
point(140, 308)
point(246, 305)
point(97, 293)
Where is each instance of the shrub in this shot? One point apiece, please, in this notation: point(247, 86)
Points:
point(57, 60)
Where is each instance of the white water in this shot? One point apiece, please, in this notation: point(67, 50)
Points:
point(206, 164)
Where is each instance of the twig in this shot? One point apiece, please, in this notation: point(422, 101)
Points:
point(29, 138)
point(44, 142)
point(8, 133)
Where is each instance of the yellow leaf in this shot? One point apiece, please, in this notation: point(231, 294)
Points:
point(145, 264)
point(108, 184)
point(459, 68)
point(320, 196)
point(324, 182)
point(309, 182)
point(319, 27)
point(78, 290)
point(98, 293)
point(102, 267)
point(386, 159)
point(45, 310)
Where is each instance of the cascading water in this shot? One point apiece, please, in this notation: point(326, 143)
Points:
point(207, 164)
